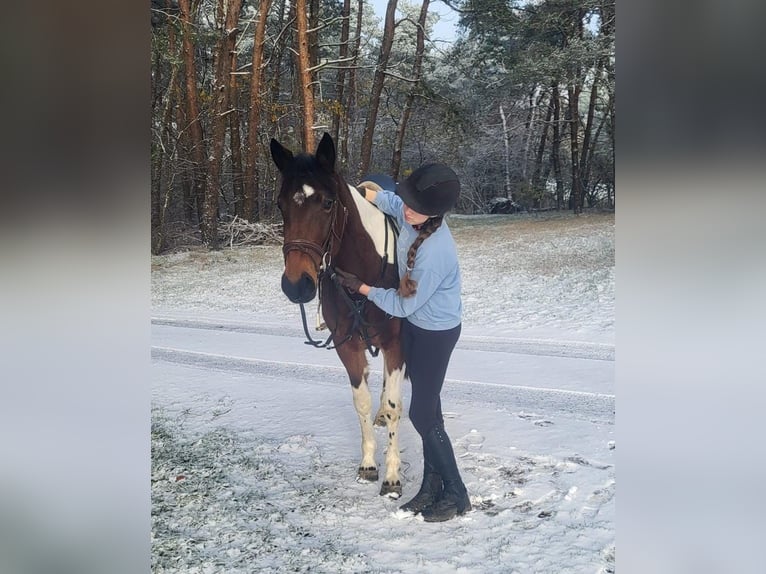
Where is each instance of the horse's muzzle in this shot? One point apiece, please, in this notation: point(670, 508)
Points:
point(301, 292)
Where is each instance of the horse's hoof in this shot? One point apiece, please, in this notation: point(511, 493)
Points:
point(367, 474)
point(391, 490)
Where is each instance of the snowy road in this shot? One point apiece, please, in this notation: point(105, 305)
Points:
point(262, 431)
point(574, 378)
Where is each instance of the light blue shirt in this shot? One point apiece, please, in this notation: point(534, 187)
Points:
point(436, 305)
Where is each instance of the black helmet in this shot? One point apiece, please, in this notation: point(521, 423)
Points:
point(432, 189)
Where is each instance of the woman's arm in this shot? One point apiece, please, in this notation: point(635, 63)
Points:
point(390, 301)
point(388, 202)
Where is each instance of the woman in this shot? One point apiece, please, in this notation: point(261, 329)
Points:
point(428, 298)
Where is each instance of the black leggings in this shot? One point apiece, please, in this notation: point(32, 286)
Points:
point(427, 354)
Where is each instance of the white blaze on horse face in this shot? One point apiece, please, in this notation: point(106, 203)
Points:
point(374, 222)
point(300, 196)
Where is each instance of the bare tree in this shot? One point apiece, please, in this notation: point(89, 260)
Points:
point(574, 88)
point(236, 140)
point(304, 74)
point(417, 67)
point(197, 142)
point(276, 59)
point(228, 19)
point(163, 139)
point(313, 36)
point(340, 82)
point(589, 140)
point(506, 155)
point(536, 175)
point(250, 209)
point(377, 88)
point(556, 145)
point(350, 107)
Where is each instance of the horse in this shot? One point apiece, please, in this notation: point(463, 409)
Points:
point(328, 223)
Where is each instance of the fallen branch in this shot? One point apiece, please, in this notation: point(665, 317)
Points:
point(240, 232)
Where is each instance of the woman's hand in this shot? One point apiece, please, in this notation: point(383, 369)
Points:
point(367, 192)
point(348, 280)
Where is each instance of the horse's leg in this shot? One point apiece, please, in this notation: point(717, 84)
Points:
point(391, 411)
point(355, 361)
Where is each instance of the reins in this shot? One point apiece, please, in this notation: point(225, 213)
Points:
point(324, 267)
point(356, 310)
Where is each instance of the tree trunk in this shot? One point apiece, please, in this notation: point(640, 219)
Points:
point(350, 109)
point(607, 30)
point(236, 141)
point(611, 134)
point(157, 152)
point(573, 115)
point(534, 101)
point(556, 147)
point(416, 71)
point(536, 181)
point(305, 85)
point(197, 143)
point(507, 156)
point(171, 141)
point(377, 89)
point(250, 210)
point(573, 91)
point(313, 38)
point(226, 44)
point(587, 151)
point(591, 150)
point(183, 154)
point(341, 80)
point(279, 49)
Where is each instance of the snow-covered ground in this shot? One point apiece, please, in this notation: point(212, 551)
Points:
point(255, 441)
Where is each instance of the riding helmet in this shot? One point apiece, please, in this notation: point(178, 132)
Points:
point(431, 190)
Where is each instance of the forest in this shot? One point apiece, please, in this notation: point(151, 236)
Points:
point(521, 104)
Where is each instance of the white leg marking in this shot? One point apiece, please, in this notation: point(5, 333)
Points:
point(392, 411)
point(363, 405)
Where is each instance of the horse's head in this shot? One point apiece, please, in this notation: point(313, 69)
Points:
point(308, 201)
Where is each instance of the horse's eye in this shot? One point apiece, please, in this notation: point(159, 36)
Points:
point(327, 204)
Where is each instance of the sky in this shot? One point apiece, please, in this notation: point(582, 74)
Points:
point(445, 28)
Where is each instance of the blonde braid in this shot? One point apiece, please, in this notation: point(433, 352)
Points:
point(407, 286)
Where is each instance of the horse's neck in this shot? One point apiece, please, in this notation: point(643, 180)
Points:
point(373, 222)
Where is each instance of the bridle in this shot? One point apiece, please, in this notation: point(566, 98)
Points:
point(322, 254)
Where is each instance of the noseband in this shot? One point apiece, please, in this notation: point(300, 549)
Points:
point(322, 254)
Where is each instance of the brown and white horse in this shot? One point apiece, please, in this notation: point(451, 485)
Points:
point(327, 223)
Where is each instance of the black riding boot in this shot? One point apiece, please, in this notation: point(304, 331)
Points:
point(430, 488)
point(454, 499)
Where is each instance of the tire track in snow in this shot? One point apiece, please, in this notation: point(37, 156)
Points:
point(579, 404)
point(543, 347)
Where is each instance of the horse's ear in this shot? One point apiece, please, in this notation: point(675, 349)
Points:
point(280, 154)
point(326, 153)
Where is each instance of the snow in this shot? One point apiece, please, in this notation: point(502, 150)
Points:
point(255, 441)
